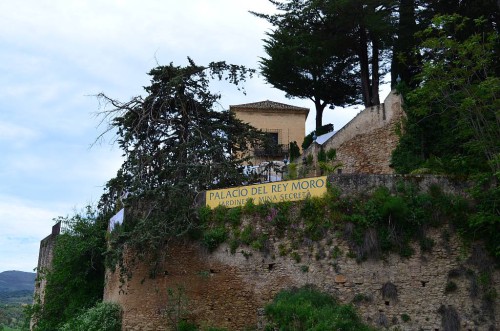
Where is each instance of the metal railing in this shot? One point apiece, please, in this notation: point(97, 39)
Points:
point(272, 151)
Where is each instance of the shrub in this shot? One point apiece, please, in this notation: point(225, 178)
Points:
point(104, 316)
point(307, 308)
point(186, 326)
point(76, 279)
point(361, 297)
point(426, 244)
point(296, 257)
point(247, 235)
point(451, 286)
point(212, 238)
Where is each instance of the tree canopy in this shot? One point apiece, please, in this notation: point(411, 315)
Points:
point(453, 124)
point(176, 144)
point(304, 59)
point(328, 50)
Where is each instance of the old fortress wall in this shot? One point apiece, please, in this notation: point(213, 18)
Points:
point(230, 290)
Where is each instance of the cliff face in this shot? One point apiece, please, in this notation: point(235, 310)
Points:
point(430, 290)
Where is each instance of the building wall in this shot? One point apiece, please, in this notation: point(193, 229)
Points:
point(365, 144)
point(230, 290)
point(288, 122)
point(291, 125)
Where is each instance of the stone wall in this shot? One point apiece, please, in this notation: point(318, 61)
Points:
point(45, 256)
point(286, 120)
point(365, 144)
point(352, 184)
point(230, 290)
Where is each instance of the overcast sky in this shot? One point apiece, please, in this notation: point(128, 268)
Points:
point(56, 54)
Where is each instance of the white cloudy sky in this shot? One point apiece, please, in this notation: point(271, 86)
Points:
point(56, 54)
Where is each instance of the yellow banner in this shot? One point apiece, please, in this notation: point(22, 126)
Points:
point(291, 190)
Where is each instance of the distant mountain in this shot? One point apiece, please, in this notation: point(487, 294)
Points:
point(13, 281)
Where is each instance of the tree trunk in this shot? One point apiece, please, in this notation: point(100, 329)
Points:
point(364, 66)
point(319, 113)
point(375, 100)
point(404, 59)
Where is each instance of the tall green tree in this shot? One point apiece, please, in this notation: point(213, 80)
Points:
point(453, 114)
point(304, 59)
point(414, 16)
point(176, 144)
point(329, 41)
point(406, 59)
point(366, 27)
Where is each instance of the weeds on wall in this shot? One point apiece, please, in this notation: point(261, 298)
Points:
point(372, 225)
point(176, 312)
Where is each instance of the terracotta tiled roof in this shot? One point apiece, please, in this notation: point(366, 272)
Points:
point(269, 105)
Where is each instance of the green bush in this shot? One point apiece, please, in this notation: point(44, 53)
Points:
point(212, 238)
point(75, 281)
point(308, 309)
point(104, 316)
point(186, 326)
point(451, 286)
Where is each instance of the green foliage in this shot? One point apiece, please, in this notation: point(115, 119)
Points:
point(308, 309)
point(176, 308)
point(326, 161)
point(104, 316)
point(485, 221)
point(426, 244)
point(331, 154)
point(212, 238)
point(405, 318)
point(176, 143)
point(292, 172)
point(309, 160)
point(308, 139)
point(186, 326)
point(13, 316)
point(360, 297)
point(452, 117)
point(296, 65)
point(321, 157)
point(372, 224)
point(296, 256)
point(76, 280)
point(294, 151)
point(247, 235)
point(451, 286)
